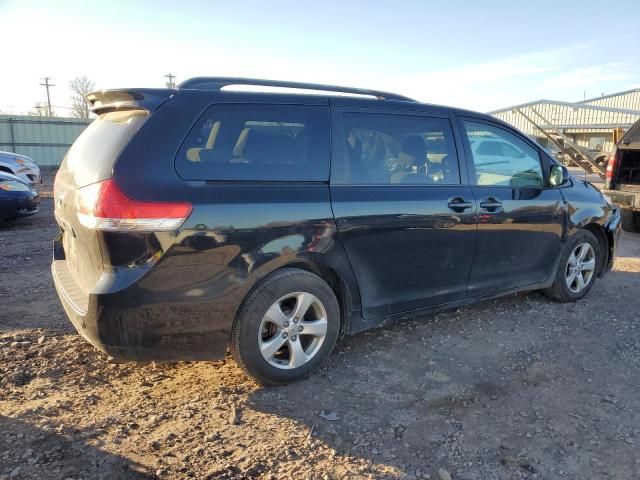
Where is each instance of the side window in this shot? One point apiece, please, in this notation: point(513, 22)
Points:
point(501, 158)
point(257, 142)
point(374, 148)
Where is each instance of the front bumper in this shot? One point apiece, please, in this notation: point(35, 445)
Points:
point(21, 204)
point(612, 229)
point(133, 323)
point(31, 175)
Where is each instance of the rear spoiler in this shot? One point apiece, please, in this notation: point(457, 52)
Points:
point(147, 99)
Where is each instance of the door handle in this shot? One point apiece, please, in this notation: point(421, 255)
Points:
point(491, 205)
point(458, 204)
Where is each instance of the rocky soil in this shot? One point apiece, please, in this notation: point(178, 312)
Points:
point(516, 388)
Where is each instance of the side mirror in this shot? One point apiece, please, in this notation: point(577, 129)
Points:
point(559, 175)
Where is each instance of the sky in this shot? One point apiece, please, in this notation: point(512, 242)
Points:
point(481, 55)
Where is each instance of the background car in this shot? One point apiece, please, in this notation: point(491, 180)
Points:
point(17, 198)
point(622, 182)
point(21, 166)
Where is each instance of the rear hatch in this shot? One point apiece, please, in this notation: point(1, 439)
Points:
point(89, 161)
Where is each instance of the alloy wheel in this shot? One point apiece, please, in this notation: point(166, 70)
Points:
point(580, 267)
point(292, 330)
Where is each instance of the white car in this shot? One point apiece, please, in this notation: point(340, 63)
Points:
point(21, 166)
point(496, 161)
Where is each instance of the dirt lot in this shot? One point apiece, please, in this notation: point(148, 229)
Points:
point(515, 388)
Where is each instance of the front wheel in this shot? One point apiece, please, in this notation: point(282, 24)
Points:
point(287, 326)
point(577, 269)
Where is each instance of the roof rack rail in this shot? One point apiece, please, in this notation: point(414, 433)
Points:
point(217, 83)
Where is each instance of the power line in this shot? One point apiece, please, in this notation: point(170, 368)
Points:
point(170, 83)
point(46, 84)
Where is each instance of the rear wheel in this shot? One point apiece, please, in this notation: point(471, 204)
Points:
point(630, 220)
point(286, 328)
point(577, 269)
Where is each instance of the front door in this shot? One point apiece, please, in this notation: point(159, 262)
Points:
point(406, 219)
point(520, 219)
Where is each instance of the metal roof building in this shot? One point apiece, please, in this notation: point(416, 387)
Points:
point(592, 125)
point(629, 100)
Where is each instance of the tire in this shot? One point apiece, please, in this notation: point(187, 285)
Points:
point(269, 321)
point(630, 220)
point(560, 291)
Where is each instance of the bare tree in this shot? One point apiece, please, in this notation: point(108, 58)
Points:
point(80, 86)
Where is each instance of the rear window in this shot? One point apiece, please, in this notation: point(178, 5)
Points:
point(92, 155)
point(257, 142)
point(632, 135)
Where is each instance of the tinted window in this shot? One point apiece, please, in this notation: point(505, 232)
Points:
point(257, 142)
point(395, 149)
point(632, 135)
point(501, 158)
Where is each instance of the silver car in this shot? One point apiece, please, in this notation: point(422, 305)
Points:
point(21, 166)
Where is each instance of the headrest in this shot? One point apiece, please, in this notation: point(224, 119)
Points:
point(415, 146)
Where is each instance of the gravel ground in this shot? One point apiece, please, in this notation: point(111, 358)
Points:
point(519, 387)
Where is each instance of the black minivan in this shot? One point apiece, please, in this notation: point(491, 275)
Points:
point(272, 222)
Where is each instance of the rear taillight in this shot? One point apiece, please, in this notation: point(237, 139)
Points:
point(102, 206)
point(611, 167)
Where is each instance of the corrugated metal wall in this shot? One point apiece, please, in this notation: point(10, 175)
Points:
point(45, 139)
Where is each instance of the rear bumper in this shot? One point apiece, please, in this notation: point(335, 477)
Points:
point(131, 324)
point(624, 199)
point(76, 304)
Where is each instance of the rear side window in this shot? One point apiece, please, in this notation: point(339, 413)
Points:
point(257, 142)
point(380, 149)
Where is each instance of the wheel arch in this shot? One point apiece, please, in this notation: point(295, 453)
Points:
point(604, 242)
point(339, 286)
point(348, 299)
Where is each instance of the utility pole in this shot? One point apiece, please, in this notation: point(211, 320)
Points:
point(170, 83)
point(46, 84)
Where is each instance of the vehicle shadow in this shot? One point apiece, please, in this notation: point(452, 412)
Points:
point(486, 391)
point(27, 452)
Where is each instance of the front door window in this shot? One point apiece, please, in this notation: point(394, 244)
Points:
point(501, 158)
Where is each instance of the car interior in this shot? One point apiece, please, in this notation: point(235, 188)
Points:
point(403, 153)
point(250, 142)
